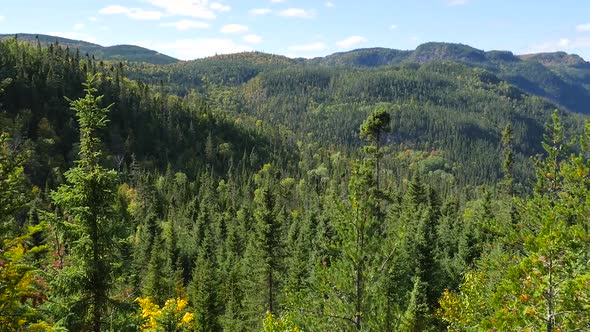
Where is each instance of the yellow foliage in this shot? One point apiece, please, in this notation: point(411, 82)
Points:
point(187, 319)
point(279, 324)
point(174, 315)
point(19, 289)
point(149, 312)
point(131, 197)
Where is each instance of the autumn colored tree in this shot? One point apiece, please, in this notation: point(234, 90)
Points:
point(20, 290)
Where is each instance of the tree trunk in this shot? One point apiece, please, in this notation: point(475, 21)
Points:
point(550, 295)
point(358, 304)
point(270, 291)
point(96, 292)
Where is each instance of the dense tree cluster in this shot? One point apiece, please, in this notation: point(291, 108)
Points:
point(287, 199)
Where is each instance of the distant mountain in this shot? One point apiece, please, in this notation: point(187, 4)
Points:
point(430, 52)
point(560, 77)
point(556, 59)
point(435, 51)
point(563, 79)
point(364, 57)
point(115, 53)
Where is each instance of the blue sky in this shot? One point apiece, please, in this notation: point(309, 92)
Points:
point(189, 29)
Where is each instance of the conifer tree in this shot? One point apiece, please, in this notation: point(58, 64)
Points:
point(88, 221)
point(264, 253)
point(542, 283)
point(158, 280)
point(372, 130)
point(203, 288)
point(508, 159)
point(347, 281)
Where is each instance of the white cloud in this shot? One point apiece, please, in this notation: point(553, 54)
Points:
point(351, 41)
point(186, 24)
point(563, 44)
point(260, 11)
point(318, 46)
point(330, 4)
point(79, 26)
point(191, 8)
point(233, 28)
point(113, 9)
point(140, 14)
point(277, 1)
point(583, 27)
point(220, 7)
point(393, 27)
point(457, 2)
point(134, 13)
point(297, 12)
point(252, 39)
point(93, 19)
point(1, 18)
point(188, 49)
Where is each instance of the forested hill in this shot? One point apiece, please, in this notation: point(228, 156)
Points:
point(562, 78)
point(253, 192)
point(113, 53)
point(451, 109)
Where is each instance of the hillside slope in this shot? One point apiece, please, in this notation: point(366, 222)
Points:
point(560, 77)
point(115, 53)
point(451, 109)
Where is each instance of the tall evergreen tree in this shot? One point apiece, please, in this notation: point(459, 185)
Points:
point(347, 280)
point(203, 288)
point(264, 252)
point(508, 159)
point(372, 130)
point(88, 221)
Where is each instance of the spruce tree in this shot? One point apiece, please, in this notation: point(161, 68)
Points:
point(263, 257)
point(88, 221)
point(508, 159)
point(347, 280)
point(203, 288)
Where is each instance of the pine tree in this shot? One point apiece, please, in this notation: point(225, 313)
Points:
point(347, 280)
point(421, 212)
point(372, 130)
point(415, 316)
point(158, 281)
point(203, 288)
point(88, 221)
point(508, 159)
point(263, 258)
point(268, 243)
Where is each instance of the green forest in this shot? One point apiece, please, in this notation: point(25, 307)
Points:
point(375, 190)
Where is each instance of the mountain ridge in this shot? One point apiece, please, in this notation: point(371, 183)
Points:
point(122, 52)
point(372, 56)
point(562, 78)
